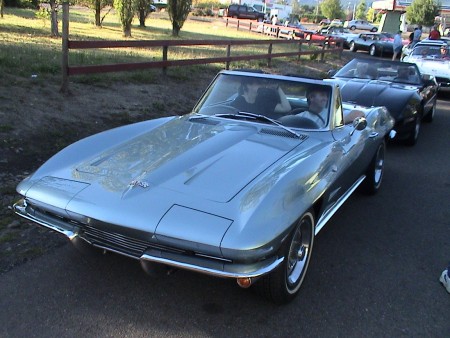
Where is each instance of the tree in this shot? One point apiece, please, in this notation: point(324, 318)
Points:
point(423, 12)
point(97, 6)
point(125, 9)
point(2, 4)
point(178, 12)
point(143, 10)
point(331, 9)
point(361, 10)
point(54, 17)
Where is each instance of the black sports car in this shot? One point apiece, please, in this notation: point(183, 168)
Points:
point(374, 43)
point(409, 95)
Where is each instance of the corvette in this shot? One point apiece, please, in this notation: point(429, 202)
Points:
point(220, 191)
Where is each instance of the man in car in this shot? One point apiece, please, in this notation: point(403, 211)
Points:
point(317, 98)
point(444, 52)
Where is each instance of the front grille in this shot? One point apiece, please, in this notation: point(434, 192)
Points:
point(118, 242)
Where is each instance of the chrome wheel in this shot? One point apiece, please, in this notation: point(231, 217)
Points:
point(352, 47)
point(282, 285)
point(374, 174)
point(414, 135)
point(299, 253)
point(373, 50)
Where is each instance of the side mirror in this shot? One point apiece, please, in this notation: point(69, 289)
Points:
point(360, 123)
point(331, 73)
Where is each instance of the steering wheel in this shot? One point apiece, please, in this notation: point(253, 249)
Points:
point(298, 122)
point(296, 111)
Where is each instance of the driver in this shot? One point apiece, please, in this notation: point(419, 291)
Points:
point(317, 98)
point(255, 97)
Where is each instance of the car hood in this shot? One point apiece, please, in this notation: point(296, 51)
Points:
point(202, 158)
point(393, 96)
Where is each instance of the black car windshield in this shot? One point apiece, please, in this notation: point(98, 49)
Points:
point(279, 99)
point(391, 71)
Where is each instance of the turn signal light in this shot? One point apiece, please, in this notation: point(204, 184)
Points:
point(244, 282)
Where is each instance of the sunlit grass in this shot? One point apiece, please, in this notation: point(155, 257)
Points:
point(26, 48)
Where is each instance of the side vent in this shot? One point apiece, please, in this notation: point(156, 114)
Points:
point(281, 133)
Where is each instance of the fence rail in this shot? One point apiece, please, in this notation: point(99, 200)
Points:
point(326, 46)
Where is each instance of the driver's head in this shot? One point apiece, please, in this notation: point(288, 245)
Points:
point(361, 68)
point(317, 97)
point(403, 72)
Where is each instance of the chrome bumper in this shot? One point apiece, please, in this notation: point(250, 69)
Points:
point(194, 262)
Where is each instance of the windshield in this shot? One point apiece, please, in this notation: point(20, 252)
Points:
point(427, 51)
point(277, 99)
point(392, 71)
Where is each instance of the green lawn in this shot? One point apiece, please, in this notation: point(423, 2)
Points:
point(26, 48)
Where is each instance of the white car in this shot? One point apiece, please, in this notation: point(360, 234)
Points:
point(360, 24)
point(428, 57)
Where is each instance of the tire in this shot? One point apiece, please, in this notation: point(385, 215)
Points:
point(375, 171)
point(373, 50)
point(412, 138)
point(374, 29)
point(430, 116)
point(282, 285)
point(352, 47)
point(352, 28)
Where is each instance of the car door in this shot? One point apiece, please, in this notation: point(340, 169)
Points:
point(355, 149)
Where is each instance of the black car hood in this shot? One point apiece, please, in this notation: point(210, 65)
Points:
point(394, 96)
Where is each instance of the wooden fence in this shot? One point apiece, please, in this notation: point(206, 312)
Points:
point(325, 46)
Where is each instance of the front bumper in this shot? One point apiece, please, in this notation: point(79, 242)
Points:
point(135, 245)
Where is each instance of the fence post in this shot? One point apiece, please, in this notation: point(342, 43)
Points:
point(228, 55)
point(322, 54)
point(65, 48)
point(164, 57)
point(237, 26)
point(299, 50)
point(269, 59)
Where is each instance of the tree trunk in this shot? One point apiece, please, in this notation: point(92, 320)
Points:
point(98, 22)
point(2, 4)
point(175, 29)
point(127, 31)
point(54, 18)
point(142, 18)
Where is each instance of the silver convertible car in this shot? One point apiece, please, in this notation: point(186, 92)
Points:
point(227, 191)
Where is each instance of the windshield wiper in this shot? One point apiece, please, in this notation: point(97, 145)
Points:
point(266, 119)
point(247, 115)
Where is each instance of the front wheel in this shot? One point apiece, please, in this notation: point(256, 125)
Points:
point(282, 285)
point(352, 47)
point(373, 50)
point(374, 174)
point(430, 116)
point(374, 29)
point(413, 136)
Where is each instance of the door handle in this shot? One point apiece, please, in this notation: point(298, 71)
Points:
point(373, 134)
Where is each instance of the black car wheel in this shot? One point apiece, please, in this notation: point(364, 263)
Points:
point(282, 285)
point(373, 50)
point(352, 47)
point(414, 134)
point(430, 116)
point(374, 29)
point(374, 174)
point(353, 28)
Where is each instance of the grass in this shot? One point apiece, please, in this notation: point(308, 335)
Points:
point(27, 50)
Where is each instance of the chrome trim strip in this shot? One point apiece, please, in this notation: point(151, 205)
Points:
point(240, 271)
point(21, 209)
point(330, 212)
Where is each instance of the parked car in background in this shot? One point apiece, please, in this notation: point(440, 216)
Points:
point(409, 95)
point(225, 191)
point(324, 22)
point(427, 55)
point(244, 12)
point(374, 43)
point(360, 24)
point(336, 22)
point(338, 32)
